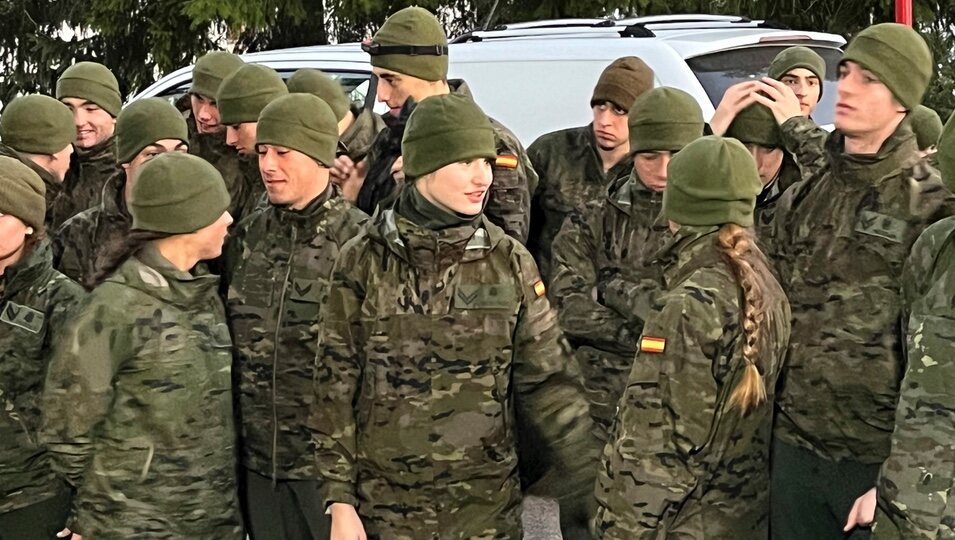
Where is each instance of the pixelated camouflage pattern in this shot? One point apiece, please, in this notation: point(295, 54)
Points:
point(90, 169)
point(805, 141)
point(358, 138)
point(35, 301)
point(279, 265)
point(681, 463)
point(437, 353)
point(137, 409)
point(53, 186)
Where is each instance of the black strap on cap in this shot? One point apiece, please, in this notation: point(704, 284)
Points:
point(377, 49)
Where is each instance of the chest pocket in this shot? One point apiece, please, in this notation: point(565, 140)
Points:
point(305, 296)
point(884, 244)
point(881, 225)
point(485, 297)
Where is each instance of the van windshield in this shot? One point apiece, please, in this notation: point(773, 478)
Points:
point(718, 71)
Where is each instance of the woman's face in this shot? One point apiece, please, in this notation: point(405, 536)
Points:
point(13, 234)
point(460, 187)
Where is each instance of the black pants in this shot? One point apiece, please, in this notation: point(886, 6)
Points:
point(40, 521)
point(290, 510)
point(812, 497)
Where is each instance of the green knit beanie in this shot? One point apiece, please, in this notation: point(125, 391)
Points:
point(210, 70)
point(37, 124)
point(177, 193)
point(93, 82)
point(313, 81)
point(798, 57)
point(898, 56)
point(22, 193)
point(301, 122)
point(244, 94)
point(927, 126)
point(664, 118)
point(412, 42)
point(623, 81)
point(756, 125)
point(144, 122)
point(443, 130)
point(712, 181)
point(946, 153)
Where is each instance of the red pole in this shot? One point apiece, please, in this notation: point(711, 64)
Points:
point(903, 12)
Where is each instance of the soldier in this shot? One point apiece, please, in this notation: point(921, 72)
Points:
point(91, 91)
point(357, 126)
point(437, 338)
point(241, 98)
point(927, 126)
point(578, 165)
point(602, 253)
point(841, 236)
point(689, 454)
point(144, 129)
point(283, 261)
point(409, 55)
point(137, 408)
point(34, 299)
point(38, 131)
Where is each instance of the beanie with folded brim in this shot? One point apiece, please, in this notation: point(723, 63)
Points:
point(898, 56)
point(795, 58)
point(177, 193)
point(211, 70)
point(713, 181)
point(756, 125)
point(664, 119)
point(244, 94)
point(927, 126)
point(145, 122)
point(22, 193)
point(946, 154)
point(92, 82)
point(37, 124)
point(623, 81)
point(411, 27)
point(301, 122)
point(443, 130)
point(320, 85)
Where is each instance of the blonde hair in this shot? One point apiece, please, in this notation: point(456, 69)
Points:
point(739, 246)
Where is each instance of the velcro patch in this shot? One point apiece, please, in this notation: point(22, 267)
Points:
point(23, 317)
point(506, 161)
point(652, 344)
point(485, 297)
point(881, 225)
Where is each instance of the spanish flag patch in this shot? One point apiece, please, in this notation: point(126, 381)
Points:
point(539, 288)
point(506, 161)
point(652, 344)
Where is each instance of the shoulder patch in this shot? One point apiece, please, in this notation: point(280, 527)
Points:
point(506, 161)
point(539, 288)
point(881, 225)
point(23, 317)
point(652, 344)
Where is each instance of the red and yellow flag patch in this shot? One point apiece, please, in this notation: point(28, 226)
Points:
point(539, 288)
point(506, 161)
point(652, 344)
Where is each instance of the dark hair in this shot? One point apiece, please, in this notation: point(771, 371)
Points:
point(115, 255)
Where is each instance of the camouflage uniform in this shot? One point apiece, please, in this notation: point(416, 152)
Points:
point(916, 482)
point(138, 407)
point(79, 244)
point(53, 186)
point(435, 345)
point(358, 138)
point(508, 202)
point(34, 300)
point(570, 174)
point(89, 171)
point(789, 174)
point(681, 464)
point(603, 286)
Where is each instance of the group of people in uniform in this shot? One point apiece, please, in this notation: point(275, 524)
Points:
point(264, 310)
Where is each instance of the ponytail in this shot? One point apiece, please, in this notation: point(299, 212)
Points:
point(114, 256)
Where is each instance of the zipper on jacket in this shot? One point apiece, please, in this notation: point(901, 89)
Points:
point(275, 354)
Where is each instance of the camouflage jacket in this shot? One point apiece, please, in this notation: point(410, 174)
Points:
point(280, 262)
point(765, 213)
point(681, 462)
point(79, 244)
point(603, 286)
point(841, 238)
point(439, 348)
point(90, 169)
point(570, 174)
point(358, 138)
point(917, 483)
point(34, 303)
point(53, 186)
point(509, 199)
point(137, 409)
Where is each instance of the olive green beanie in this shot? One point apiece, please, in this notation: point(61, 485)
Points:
point(93, 82)
point(623, 81)
point(798, 57)
point(144, 122)
point(210, 70)
point(443, 130)
point(313, 81)
point(177, 193)
point(946, 153)
point(22, 193)
point(664, 118)
point(300, 122)
point(412, 27)
point(927, 126)
point(756, 125)
point(244, 94)
point(898, 56)
point(712, 181)
point(37, 124)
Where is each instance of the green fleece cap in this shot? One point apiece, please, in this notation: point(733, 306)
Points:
point(664, 118)
point(144, 122)
point(93, 82)
point(301, 122)
point(946, 153)
point(177, 193)
point(623, 81)
point(798, 57)
point(898, 56)
point(244, 94)
point(411, 42)
point(37, 124)
point(317, 83)
point(756, 125)
point(712, 181)
point(443, 130)
point(927, 125)
point(22, 193)
point(210, 70)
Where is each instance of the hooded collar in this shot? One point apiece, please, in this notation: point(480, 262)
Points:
point(151, 273)
point(28, 270)
point(898, 151)
point(627, 193)
point(685, 245)
point(102, 151)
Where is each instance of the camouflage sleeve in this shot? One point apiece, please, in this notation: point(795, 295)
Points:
point(65, 242)
point(806, 141)
point(509, 201)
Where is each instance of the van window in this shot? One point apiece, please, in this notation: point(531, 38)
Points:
point(354, 83)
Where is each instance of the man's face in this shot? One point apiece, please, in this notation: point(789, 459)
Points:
point(206, 113)
point(610, 126)
point(395, 88)
point(60, 163)
point(768, 161)
point(651, 168)
point(806, 86)
point(93, 124)
point(241, 137)
point(865, 105)
point(291, 177)
point(159, 147)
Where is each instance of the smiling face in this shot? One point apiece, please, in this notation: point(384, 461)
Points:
point(610, 126)
point(291, 177)
point(865, 106)
point(807, 87)
point(459, 187)
point(93, 124)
